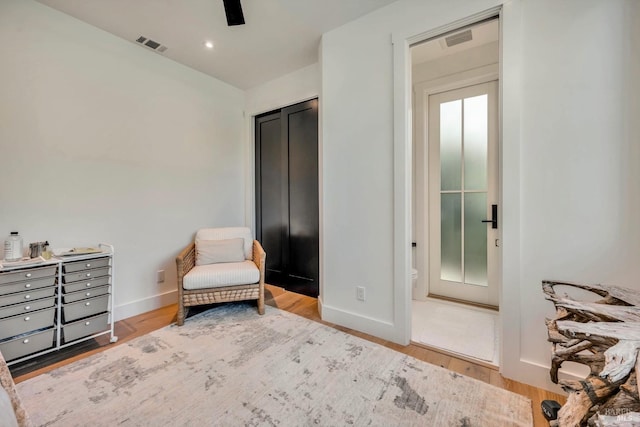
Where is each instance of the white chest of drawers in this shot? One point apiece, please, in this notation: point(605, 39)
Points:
point(55, 304)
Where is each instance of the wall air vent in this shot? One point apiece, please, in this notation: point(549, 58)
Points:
point(458, 38)
point(151, 44)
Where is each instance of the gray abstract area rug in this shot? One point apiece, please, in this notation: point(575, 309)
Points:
point(228, 366)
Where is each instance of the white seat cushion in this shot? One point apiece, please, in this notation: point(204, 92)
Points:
point(219, 275)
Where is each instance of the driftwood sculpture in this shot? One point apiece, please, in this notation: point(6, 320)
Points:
point(605, 336)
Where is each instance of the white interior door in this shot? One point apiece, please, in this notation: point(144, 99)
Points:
point(463, 194)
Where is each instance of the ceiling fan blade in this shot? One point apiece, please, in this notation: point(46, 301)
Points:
point(233, 9)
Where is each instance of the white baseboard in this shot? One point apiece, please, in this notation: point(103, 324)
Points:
point(320, 306)
point(134, 308)
point(537, 375)
point(368, 325)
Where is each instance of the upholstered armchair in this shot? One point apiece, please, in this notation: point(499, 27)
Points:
point(220, 265)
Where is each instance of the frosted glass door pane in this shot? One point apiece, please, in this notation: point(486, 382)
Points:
point(475, 143)
point(451, 237)
point(451, 145)
point(475, 239)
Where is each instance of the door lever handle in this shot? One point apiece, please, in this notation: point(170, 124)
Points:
point(494, 217)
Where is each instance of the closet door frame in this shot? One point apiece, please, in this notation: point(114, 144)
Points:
point(285, 274)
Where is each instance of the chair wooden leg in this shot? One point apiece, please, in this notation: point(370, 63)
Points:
point(261, 304)
point(181, 314)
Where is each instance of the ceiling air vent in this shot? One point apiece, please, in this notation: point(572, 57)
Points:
point(455, 39)
point(151, 44)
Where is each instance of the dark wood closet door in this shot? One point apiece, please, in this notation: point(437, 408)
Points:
point(269, 165)
point(287, 208)
point(300, 123)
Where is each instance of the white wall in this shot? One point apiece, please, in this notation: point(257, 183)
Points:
point(104, 141)
point(580, 186)
point(298, 86)
point(570, 160)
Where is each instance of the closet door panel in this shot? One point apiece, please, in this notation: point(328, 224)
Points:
point(302, 129)
point(269, 167)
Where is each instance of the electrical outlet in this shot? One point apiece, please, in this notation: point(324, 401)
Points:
point(360, 295)
point(160, 276)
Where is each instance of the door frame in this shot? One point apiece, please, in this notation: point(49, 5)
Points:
point(282, 113)
point(258, 107)
point(510, 14)
point(422, 91)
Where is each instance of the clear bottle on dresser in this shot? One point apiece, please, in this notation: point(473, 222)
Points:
point(13, 247)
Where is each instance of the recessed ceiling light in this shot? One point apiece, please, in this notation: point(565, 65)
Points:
point(208, 44)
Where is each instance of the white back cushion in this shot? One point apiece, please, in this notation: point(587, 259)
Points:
point(224, 233)
point(218, 251)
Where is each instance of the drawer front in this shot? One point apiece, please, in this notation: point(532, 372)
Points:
point(25, 345)
point(26, 307)
point(85, 284)
point(16, 325)
point(84, 275)
point(71, 267)
point(10, 288)
point(85, 308)
point(84, 294)
point(28, 274)
point(27, 296)
point(85, 327)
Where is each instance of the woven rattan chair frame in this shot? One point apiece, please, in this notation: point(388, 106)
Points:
point(186, 260)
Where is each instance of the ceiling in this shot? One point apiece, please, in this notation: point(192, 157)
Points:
point(482, 33)
point(280, 36)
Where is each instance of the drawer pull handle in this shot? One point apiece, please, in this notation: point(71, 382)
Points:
point(88, 274)
point(88, 285)
point(26, 319)
point(88, 265)
point(88, 294)
point(87, 304)
point(87, 323)
point(27, 275)
point(28, 307)
point(28, 285)
point(27, 296)
point(26, 341)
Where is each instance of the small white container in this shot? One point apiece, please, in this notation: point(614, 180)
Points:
point(13, 247)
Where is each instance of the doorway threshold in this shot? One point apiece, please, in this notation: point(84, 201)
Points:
point(463, 302)
point(460, 330)
point(470, 359)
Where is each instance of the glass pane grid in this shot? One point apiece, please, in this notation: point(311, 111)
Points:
point(451, 237)
point(451, 145)
point(475, 142)
point(463, 195)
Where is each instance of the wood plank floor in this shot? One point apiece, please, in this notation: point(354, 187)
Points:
point(301, 305)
